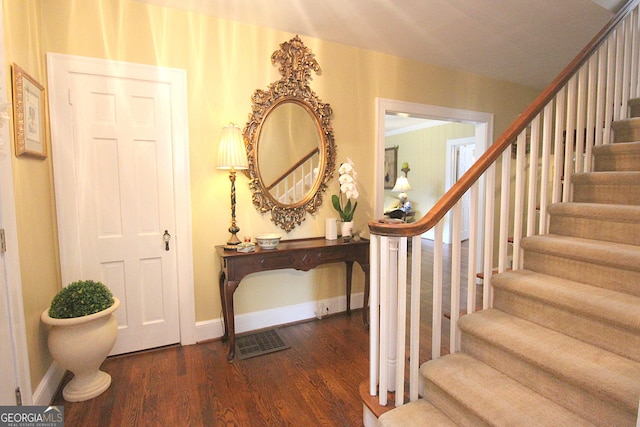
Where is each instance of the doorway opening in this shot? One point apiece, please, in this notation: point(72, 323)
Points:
point(395, 117)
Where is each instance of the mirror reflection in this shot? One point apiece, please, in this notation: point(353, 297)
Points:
point(289, 152)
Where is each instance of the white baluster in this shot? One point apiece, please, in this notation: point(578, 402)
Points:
point(473, 248)
point(505, 198)
point(401, 319)
point(559, 140)
point(414, 331)
point(547, 124)
point(374, 324)
point(454, 330)
point(436, 326)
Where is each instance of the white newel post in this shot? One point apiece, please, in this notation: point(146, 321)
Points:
point(392, 319)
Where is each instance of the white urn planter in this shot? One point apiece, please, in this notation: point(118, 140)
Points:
point(80, 345)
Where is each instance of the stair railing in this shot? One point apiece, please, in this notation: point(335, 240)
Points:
point(295, 183)
point(535, 159)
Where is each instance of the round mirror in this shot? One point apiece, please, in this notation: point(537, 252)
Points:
point(288, 158)
point(289, 139)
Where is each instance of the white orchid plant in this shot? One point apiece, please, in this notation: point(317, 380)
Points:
point(346, 202)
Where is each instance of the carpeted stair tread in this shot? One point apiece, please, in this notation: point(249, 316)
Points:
point(420, 413)
point(592, 314)
point(588, 250)
point(623, 156)
point(628, 122)
point(631, 178)
point(607, 187)
point(603, 304)
point(614, 223)
point(626, 130)
point(606, 376)
point(632, 147)
point(473, 393)
point(634, 107)
point(598, 263)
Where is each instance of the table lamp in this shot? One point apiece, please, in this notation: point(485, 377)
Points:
point(402, 186)
point(232, 156)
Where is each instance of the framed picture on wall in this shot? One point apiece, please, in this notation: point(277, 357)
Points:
point(28, 114)
point(390, 167)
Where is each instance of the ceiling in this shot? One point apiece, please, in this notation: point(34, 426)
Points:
point(522, 41)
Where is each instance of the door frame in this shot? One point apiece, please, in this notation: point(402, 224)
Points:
point(450, 175)
point(59, 66)
point(11, 280)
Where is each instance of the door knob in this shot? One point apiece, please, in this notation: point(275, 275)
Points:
point(166, 237)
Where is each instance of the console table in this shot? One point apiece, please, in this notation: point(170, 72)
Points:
point(301, 254)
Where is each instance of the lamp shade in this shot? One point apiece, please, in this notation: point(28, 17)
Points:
point(402, 184)
point(232, 154)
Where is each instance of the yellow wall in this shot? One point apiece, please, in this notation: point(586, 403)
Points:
point(225, 62)
point(35, 203)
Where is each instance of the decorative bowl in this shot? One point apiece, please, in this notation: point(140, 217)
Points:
point(268, 241)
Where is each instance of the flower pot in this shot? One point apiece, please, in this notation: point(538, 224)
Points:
point(80, 345)
point(347, 228)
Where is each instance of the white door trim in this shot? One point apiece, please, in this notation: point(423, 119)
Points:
point(450, 175)
point(483, 135)
point(59, 66)
point(11, 281)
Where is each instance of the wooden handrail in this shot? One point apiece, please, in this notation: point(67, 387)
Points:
point(294, 167)
point(385, 227)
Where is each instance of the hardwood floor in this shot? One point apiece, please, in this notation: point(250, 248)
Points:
point(313, 383)
point(426, 295)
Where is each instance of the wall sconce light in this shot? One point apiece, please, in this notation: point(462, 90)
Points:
point(232, 156)
point(405, 169)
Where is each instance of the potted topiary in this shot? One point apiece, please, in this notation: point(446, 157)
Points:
point(82, 332)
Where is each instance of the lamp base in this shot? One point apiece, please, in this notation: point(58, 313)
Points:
point(233, 240)
point(234, 229)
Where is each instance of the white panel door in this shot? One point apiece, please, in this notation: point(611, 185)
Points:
point(124, 196)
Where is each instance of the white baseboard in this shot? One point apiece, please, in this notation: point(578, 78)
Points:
point(46, 390)
point(214, 328)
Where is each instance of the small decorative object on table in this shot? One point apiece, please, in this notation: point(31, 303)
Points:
point(246, 247)
point(348, 190)
point(268, 241)
point(331, 228)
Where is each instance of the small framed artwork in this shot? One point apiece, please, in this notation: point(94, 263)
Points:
point(390, 167)
point(28, 114)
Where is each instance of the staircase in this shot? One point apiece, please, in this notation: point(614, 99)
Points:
point(557, 341)
point(561, 345)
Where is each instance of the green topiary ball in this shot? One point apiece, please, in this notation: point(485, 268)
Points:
point(80, 299)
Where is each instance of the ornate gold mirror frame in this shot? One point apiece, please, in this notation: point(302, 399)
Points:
point(303, 145)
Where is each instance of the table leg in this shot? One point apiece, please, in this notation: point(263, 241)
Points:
point(229, 289)
point(349, 265)
point(365, 304)
point(222, 283)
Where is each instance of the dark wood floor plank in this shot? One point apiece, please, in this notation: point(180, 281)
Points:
point(312, 383)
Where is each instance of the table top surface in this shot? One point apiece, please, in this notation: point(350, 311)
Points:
point(292, 245)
